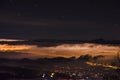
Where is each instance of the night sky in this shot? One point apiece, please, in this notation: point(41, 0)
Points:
point(83, 20)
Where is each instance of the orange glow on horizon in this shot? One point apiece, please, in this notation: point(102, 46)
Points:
point(10, 40)
point(6, 47)
point(64, 50)
point(103, 65)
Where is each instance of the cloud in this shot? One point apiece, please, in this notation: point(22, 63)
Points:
point(17, 55)
point(63, 50)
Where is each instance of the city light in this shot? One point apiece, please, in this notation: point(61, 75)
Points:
point(103, 65)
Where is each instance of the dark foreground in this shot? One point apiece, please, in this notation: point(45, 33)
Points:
point(54, 69)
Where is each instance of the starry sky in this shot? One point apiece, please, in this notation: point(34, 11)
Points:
point(37, 19)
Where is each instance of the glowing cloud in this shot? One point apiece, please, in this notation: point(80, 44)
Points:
point(64, 50)
point(10, 40)
point(6, 47)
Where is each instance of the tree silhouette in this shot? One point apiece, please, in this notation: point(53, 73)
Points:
point(86, 57)
point(95, 58)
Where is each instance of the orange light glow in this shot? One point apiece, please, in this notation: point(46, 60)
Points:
point(63, 50)
point(6, 47)
point(103, 65)
point(10, 40)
